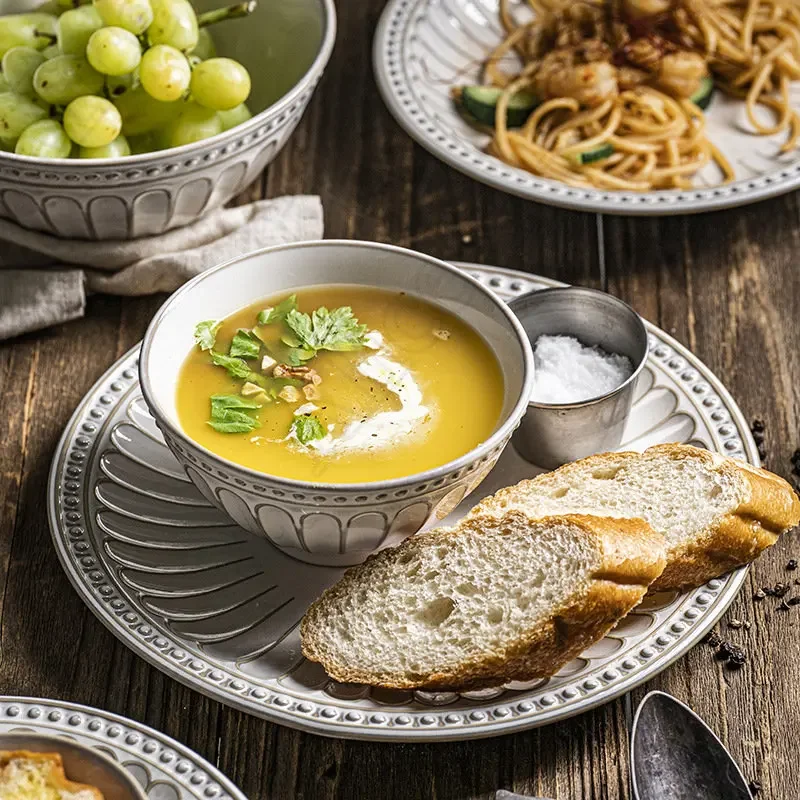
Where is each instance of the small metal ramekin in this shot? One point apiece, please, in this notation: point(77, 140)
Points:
point(553, 434)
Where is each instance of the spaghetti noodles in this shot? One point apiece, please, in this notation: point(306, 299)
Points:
point(619, 84)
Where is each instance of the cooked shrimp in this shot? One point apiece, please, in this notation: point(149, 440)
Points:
point(630, 77)
point(638, 9)
point(590, 84)
point(680, 73)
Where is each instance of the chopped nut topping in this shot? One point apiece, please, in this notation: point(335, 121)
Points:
point(267, 363)
point(300, 373)
point(311, 392)
point(250, 389)
point(442, 334)
point(289, 394)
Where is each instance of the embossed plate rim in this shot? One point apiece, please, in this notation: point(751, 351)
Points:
point(484, 720)
point(390, 59)
point(165, 744)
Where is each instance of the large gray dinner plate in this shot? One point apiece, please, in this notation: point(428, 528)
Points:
point(217, 608)
point(423, 47)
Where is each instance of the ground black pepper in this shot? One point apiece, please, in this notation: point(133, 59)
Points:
point(791, 564)
point(732, 654)
point(737, 659)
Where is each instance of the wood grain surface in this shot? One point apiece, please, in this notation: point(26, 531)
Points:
point(726, 284)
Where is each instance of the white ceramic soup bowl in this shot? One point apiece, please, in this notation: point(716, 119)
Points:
point(325, 523)
point(284, 45)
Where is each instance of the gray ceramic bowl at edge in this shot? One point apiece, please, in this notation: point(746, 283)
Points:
point(328, 523)
point(82, 764)
point(147, 194)
point(554, 434)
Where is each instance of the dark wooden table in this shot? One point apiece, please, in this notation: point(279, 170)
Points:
point(725, 284)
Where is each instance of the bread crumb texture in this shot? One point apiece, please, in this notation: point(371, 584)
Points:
point(497, 598)
point(716, 513)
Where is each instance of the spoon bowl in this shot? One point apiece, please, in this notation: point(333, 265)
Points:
point(675, 754)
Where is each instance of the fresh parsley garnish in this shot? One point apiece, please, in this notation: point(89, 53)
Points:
point(279, 312)
point(245, 344)
point(229, 414)
point(307, 429)
point(205, 333)
point(237, 368)
point(224, 402)
point(327, 330)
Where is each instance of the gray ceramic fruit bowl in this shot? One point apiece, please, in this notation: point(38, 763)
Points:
point(82, 764)
point(327, 523)
point(285, 47)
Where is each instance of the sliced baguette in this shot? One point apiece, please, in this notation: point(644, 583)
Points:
point(491, 600)
point(25, 775)
point(715, 513)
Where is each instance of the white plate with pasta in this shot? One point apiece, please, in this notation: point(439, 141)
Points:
point(619, 106)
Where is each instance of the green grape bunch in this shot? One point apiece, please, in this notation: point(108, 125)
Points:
point(111, 78)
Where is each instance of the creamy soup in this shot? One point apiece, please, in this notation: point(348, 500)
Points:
point(340, 384)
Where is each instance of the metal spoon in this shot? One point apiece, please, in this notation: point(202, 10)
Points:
point(675, 754)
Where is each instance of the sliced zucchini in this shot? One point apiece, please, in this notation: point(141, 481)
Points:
point(481, 103)
point(702, 97)
point(595, 154)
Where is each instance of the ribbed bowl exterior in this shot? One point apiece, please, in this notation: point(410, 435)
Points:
point(147, 195)
point(329, 528)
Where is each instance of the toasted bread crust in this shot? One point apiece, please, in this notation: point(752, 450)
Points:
point(769, 508)
point(631, 557)
point(56, 765)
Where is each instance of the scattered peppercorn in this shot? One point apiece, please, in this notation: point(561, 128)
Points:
point(732, 654)
point(755, 787)
point(780, 589)
point(713, 639)
point(791, 564)
point(727, 648)
point(737, 660)
point(759, 594)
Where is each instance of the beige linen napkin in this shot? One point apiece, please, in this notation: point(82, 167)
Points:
point(40, 286)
